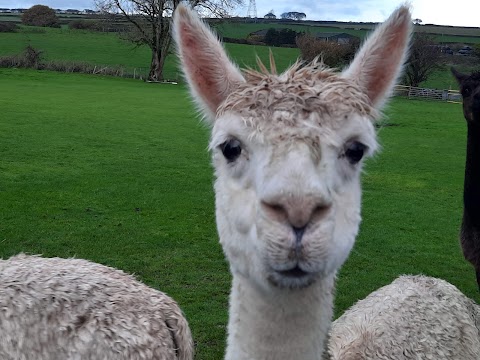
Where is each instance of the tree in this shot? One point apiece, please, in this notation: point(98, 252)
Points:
point(425, 57)
point(417, 21)
point(293, 15)
point(151, 23)
point(299, 15)
point(40, 15)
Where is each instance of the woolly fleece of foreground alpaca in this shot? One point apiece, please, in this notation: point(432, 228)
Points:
point(414, 317)
point(73, 309)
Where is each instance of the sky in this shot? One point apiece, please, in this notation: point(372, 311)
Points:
point(457, 13)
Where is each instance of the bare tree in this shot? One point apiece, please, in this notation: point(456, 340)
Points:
point(425, 57)
point(151, 23)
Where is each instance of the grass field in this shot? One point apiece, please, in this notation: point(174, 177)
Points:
point(108, 49)
point(117, 171)
point(241, 30)
point(442, 34)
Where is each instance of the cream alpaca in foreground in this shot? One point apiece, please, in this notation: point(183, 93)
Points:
point(415, 317)
point(288, 150)
point(73, 309)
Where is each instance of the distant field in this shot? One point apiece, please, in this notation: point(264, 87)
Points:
point(17, 17)
point(117, 171)
point(239, 29)
point(444, 33)
point(242, 30)
point(432, 29)
point(6, 17)
point(108, 49)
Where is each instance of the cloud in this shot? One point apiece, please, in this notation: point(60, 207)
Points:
point(349, 10)
point(464, 13)
point(56, 4)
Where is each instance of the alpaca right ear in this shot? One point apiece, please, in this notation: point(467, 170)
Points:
point(210, 74)
point(379, 62)
point(458, 75)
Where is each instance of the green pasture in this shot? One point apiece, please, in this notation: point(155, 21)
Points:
point(116, 171)
point(442, 34)
point(110, 50)
point(241, 30)
point(107, 49)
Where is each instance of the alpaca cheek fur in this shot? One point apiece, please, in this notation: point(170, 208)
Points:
point(230, 203)
point(347, 220)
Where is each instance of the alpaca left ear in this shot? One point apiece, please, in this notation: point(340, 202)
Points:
point(209, 72)
point(378, 64)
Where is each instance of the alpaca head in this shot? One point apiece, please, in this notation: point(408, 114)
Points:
point(470, 90)
point(288, 150)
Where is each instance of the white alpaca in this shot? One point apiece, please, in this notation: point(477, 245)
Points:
point(287, 151)
point(415, 317)
point(73, 309)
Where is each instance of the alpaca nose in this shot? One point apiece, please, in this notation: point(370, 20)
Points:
point(298, 211)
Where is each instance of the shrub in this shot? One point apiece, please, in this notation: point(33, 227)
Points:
point(30, 58)
point(9, 61)
point(275, 37)
point(332, 54)
point(7, 27)
point(83, 25)
point(40, 15)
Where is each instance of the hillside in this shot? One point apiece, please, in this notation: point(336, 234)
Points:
point(108, 49)
point(444, 34)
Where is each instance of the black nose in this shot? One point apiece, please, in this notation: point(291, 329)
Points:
point(299, 231)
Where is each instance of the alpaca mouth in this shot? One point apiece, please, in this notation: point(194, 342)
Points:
point(294, 278)
point(295, 272)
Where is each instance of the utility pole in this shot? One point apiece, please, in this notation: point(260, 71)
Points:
point(252, 11)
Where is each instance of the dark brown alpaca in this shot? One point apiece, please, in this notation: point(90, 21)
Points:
point(470, 232)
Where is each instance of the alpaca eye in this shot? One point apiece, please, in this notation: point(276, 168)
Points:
point(231, 149)
point(354, 152)
point(466, 91)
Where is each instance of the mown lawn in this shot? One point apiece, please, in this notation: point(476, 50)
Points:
point(117, 171)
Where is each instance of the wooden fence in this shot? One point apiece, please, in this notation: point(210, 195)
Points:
point(452, 96)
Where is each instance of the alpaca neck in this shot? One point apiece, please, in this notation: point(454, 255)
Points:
point(279, 324)
point(471, 190)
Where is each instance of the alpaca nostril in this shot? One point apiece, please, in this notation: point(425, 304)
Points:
point(275, 211)
point(299, 231)
point(320, 211)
